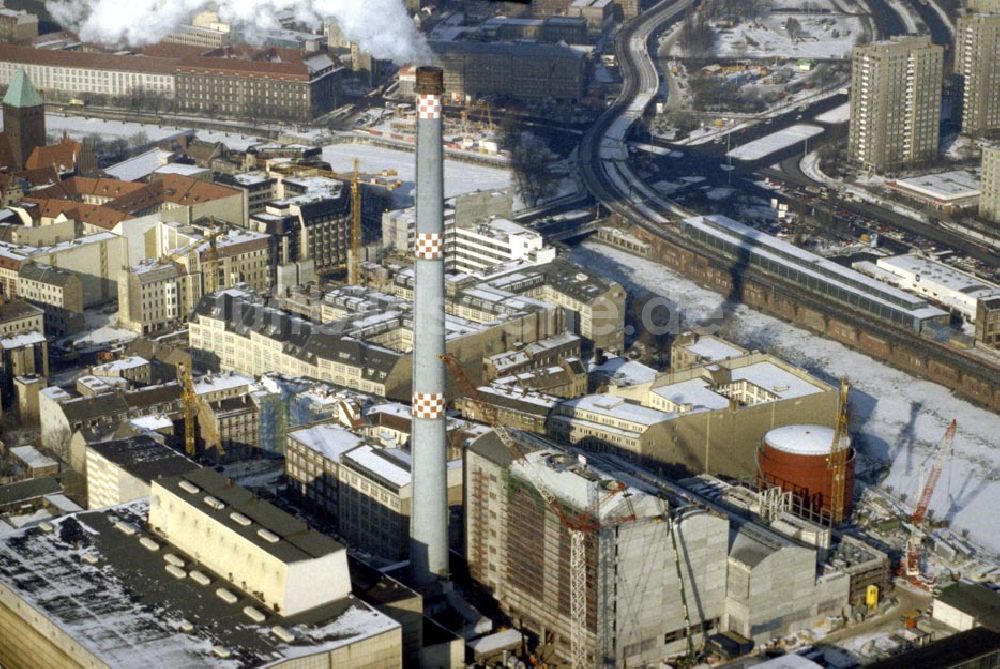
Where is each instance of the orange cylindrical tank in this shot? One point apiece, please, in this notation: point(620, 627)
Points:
point(795, 457)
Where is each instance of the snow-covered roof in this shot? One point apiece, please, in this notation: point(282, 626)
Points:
point(387, 463)
point(696, 392)
point(616, 407)
point(180, 168)
point(123, 607)
point(944, 187)
point(157, 422)
point(32, 457)
point(121, 365)
point(802, 439)
point(140, 166)
point(575, 481)
point(22, 340)
point(781, 382)
point(713, 349)
point(329, 440)
point(225, 381)
point(909, 266)
point(498, 641)
point(625, 372)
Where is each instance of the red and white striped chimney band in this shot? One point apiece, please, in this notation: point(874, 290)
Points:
point(428, 405)
point(429, 106)
point(429, 246)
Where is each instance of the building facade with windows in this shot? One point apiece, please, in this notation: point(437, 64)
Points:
point(896, 103)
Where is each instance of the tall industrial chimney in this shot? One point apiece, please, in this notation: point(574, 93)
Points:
point(429, 517)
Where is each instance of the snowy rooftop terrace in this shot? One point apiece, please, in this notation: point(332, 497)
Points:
point(132, 606)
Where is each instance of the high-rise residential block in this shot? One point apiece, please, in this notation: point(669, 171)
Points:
point(977, 61)
point(896, 103)
point(989, 195)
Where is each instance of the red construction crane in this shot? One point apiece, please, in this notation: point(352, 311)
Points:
point(943, 452)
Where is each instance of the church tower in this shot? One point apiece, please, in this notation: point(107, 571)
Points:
point(23, 117)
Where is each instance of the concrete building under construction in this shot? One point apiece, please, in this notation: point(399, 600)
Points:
point(664, 565)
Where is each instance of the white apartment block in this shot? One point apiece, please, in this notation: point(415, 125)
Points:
point(896, 102)
point(477, 248)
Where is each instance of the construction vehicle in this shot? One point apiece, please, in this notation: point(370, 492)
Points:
point(837, 463)
point(914, 545)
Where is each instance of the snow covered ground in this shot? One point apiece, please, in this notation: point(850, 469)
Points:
point(459, 176)
point(776, 141)
point(841, 114)
point(896, 417)
point(821, 36)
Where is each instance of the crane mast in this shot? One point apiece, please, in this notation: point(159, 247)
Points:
point(837, 463)
point(190, 401)
point(354, 263)
point(943, 453)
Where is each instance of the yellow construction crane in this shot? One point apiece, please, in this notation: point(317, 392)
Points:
point(354, 262)
point(210, 263)
point(190, 400)
point(839, 451)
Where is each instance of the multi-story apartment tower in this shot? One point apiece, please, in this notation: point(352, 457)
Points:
point(977, 43)
point(896, 103)
point(989, 195)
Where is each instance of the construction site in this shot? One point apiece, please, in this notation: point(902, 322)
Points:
point(444, 462)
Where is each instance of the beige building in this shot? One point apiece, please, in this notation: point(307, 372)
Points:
point(200, 36)
point(96, 259)
point(989, 195)
point(17, 25)
point(896, 103)
point(17, 316)
point(58, 292)
point(691, 349)
point(368, 489)
point(369, 350)
point(238, 255)
point(977, 42)
point(22, 354)
point(708, 419)
point(155, 295)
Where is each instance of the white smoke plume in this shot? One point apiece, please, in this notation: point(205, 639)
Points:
point(380, 27)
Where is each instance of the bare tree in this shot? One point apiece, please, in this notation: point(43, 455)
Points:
point(793, 28)
point(531, 161)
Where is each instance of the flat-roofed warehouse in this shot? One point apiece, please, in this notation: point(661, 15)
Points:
point(106, 589)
